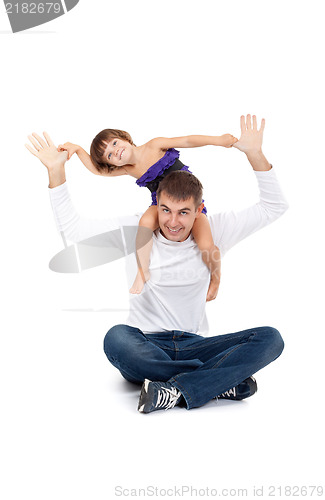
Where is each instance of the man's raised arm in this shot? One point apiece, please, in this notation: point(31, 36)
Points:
point(68, 221)
point(231, 227)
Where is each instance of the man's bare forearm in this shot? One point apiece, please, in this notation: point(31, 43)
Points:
point(56, 176)
point(258, 161)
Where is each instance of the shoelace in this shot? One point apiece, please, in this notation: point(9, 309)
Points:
point(231, 392)
point(167, 398)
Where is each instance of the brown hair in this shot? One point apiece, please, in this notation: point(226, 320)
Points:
point(181, 185)
point(99, 145)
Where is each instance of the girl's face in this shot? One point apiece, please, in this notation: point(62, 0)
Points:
point(118, 152)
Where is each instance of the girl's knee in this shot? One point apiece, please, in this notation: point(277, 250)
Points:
point(150, 218)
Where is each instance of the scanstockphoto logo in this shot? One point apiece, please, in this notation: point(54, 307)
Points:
point(99, 249)
point(25, 15)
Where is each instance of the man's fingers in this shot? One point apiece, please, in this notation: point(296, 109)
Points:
point(34, 142)
point(31, 150)
point(242, 124)
point(40, 140)
point(48, 139)
point(248, 125)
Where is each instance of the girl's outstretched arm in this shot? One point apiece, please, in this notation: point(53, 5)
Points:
point(86, 160)
point(193, 141)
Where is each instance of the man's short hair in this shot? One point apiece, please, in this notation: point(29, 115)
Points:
point(181, 185)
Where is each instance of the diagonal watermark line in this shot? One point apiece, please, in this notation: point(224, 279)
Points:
point(98, 250)
point(64, 6)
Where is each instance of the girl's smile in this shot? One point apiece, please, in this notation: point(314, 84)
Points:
point(118, 152)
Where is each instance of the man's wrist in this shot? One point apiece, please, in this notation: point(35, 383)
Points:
point(258, 161)
point(56, 176)
point(254, 154)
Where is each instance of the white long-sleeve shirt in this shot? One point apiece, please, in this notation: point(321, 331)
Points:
point(174, 297)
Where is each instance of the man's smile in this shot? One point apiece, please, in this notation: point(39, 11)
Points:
point(174, 230)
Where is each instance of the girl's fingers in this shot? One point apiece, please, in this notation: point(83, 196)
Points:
point(248, 122)
point(254, 123)
point(262, 125)
point(40, 140)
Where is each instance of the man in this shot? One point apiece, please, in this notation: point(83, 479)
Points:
point(159, 346)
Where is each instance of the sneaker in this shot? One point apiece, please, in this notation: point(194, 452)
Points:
point(243, 390)
point(158, 396)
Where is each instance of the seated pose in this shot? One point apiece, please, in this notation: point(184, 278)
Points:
point(113, 153)
point(160, 346)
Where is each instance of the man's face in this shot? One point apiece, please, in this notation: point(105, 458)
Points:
point(176, 218)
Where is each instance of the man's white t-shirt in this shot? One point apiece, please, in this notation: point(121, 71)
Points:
point(174, 297)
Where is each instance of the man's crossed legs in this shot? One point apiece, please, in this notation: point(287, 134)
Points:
point(200, 368)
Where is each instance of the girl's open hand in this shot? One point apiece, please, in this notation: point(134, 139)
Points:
point(227, 140)
point(69, 147)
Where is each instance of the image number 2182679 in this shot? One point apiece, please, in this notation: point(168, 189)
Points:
point(24, 15)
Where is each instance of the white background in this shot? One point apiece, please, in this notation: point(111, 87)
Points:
point(70, 429)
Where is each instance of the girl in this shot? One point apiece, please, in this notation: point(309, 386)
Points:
point(113, 153)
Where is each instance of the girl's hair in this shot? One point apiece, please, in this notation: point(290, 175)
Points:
point(99, 145)
point(181, 185)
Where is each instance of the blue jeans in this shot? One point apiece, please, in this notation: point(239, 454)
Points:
point(200, 367)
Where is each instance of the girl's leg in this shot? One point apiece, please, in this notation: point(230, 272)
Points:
point(148, 223)
point(210, 253)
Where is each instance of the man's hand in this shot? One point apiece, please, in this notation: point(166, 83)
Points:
point(251, 139)
point(250, 143)
point(48, 154)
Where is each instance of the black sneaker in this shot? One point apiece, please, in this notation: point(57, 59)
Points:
point(243, 390)
point(158, 396)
